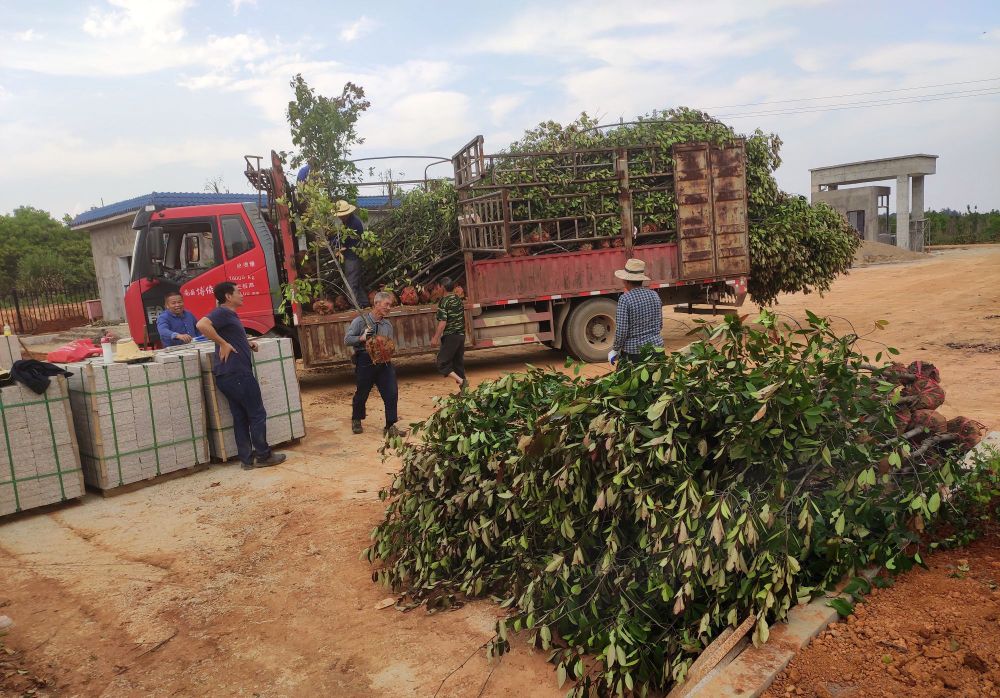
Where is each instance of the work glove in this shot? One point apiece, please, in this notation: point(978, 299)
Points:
point(612, 357)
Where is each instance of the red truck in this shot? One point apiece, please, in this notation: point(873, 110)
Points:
point(522, 285)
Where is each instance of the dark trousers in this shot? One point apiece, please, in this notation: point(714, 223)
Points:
point(353, 272)
point(381, 376)
point(242, 391)
point(451, 355)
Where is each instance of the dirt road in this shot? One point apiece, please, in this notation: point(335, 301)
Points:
point(251, 584)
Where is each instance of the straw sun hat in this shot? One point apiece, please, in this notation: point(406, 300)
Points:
point(344, 208)
point(635, 270)
point(127, 352)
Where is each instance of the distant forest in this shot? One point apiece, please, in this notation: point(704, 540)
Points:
point(950, 227)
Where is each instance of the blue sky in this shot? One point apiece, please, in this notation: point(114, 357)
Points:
point(109, 99)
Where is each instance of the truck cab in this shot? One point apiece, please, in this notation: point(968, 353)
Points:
point(189, 250)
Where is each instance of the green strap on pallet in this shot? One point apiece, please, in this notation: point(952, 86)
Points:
point(187, 397)
point(10, 455)
point(38, 477)
point(114, 426)
point(133, 452)
point(121, 390)
point(270, 416)
point(59, 472)
point(284, 382)
point(55, 449)
point(152, 419)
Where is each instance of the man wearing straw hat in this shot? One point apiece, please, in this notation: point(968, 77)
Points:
point(638, 317)
point(349, 236)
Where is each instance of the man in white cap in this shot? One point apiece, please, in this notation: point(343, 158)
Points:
point(639, 315)
point(348, 238)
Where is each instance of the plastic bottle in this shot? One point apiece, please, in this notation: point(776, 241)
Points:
point(107, 350)
point(6, 331)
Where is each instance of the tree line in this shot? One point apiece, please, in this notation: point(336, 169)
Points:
point(38, 252)
point(951, 227)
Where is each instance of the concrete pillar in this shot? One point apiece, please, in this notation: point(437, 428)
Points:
point(903, 212)
point(917, 207)
point(917, 211)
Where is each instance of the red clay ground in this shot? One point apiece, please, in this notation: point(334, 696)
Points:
point(251, 584)
point(934, 633)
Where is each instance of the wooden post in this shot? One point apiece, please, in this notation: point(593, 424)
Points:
point(624, 198)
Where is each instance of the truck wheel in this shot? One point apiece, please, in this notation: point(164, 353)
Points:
point(590, 329)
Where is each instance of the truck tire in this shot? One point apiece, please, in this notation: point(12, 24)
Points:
point(590, 329)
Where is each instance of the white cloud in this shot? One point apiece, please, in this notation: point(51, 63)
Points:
point(158, 20)
point(237, 4)
point(28, 35)
point(136, 37)
point(356, 29)
point(418, 122)
point(924, 56)
point(634, 29)
point(502, 105)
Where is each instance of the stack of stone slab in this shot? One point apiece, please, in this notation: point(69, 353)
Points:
point(139, 420)
point(39, 458)
point(274, 366)
point(10, 350)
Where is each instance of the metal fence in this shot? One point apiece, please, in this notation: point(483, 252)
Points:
point(49, 309)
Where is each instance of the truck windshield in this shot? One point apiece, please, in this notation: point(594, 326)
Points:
point(189, 249)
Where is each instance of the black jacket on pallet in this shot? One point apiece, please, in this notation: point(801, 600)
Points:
point(36, 374)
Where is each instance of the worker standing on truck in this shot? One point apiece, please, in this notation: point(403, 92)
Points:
point(450, 334)
point(366, 372)
point(639, 315)
point(349, 237)
point(175, 325)
point(234, 376)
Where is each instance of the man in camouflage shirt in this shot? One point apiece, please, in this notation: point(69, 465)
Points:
point(450, 334)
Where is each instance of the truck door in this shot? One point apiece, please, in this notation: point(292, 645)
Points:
point(246, 266)
point(712, 233)
point(190, 265)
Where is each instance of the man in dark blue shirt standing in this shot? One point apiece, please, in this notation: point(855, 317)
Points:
point(234, 376)
point(349, 238)
point(175, 325)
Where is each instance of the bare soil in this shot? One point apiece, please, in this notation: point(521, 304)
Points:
point(252, 584)
point(934, 633)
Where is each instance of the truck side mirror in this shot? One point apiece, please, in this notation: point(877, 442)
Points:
point(154, 243)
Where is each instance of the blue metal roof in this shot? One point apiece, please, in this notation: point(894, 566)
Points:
point(174, 199)
point(167, 199)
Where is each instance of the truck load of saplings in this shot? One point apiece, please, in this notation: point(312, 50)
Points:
point(794, 246)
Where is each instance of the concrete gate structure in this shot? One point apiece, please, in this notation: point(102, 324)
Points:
point(904, 169)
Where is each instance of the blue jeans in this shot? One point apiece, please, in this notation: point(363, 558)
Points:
point(382, 376)
point(249, 416)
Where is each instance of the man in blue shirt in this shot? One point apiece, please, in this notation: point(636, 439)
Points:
point(639, 315)
point(234, 376)
point(175, 325)
point(348, 238)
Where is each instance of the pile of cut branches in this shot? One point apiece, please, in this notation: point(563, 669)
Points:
point(626, 520)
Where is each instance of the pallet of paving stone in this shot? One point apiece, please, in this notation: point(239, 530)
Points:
point(10, 350)
point(39, 457)
point(274, 366)
point(138, 421)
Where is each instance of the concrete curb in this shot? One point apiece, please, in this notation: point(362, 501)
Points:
point(748, 671)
